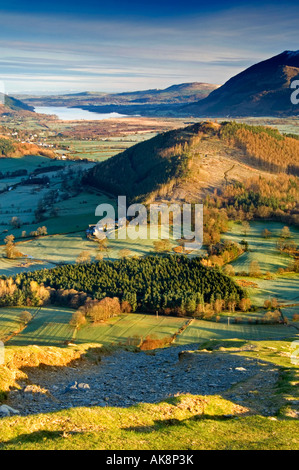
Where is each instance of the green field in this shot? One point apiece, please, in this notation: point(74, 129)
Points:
point(29, 163)
point(100, 150)
point(50, 326)
point(74, 215)
point(200, 331)
point(65, 248)
point(12, 267)
point(262, 250)
point(284, 288)
point(9, 321)
point(22, 200)
point(130, 326)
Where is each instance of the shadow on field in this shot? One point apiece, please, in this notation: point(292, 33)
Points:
point(165, 424)
point(37, 437)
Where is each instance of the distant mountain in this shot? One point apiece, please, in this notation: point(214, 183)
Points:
point(13, 104)
point(261, 90)
point(175, 94)
point(185, 92)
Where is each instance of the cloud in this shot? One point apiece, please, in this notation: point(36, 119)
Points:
point(211, 46)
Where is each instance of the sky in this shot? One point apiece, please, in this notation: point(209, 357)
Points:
point(67, 46)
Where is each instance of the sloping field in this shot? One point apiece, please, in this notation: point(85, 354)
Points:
point(49, 327)
point(10, 267)
point(130, 326)
point(67, 247)
point(19, 202)
point(201, 331)
point(57, 248)
point(262, 250)
point(270, 260)
point(284, 288)
point(289, 312)
point(9, 321)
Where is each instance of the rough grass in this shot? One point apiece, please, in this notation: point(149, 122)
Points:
point(182, 423)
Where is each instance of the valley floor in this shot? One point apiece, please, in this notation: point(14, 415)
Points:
point(228, 384)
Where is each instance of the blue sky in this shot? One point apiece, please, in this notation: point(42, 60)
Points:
point(70, 46)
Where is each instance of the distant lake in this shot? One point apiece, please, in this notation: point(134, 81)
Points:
point(70, 114)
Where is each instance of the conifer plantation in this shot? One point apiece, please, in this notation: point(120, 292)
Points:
point(172, 284)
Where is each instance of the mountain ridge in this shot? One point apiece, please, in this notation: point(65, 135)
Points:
point(9, 103)
point(184, 92)
point(263, 89)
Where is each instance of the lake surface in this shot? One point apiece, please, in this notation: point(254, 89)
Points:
point(70, 114)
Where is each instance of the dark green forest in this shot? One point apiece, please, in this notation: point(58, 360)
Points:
point(148, 284)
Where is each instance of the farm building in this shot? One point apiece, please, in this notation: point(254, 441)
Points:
point(108, 227)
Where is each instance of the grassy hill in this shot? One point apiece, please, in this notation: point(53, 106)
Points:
point(174, 424)
point(145, 166)
point(187, 163)
point(13, 104)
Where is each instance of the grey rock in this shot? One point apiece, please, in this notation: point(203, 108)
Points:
point(128, 378)
point(7, 411)
point(83, 387)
